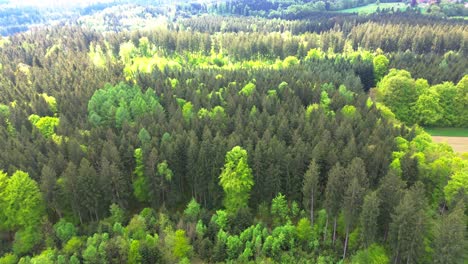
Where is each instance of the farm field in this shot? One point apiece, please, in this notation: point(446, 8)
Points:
point(372, 8)
point(459, 144)
point(455, 137)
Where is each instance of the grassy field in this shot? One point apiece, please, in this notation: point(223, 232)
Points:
point(372, 8)
point(448, 132)
point(459, 17)
point(459, 144)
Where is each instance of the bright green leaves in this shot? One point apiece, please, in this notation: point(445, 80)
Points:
point(380, 67)
point(447, 92)
point(165, 171)
point(22, 209)
point(127, 52)
point(187, 112)
point(349, 111)
point(414, 101)
point(192, 211)
point(280, 209)
point(398, 91)
point(24, 206)
point(116, 105)
point(427, 108)
point(51, 102)
point(375, 254)
point(97, 56)
point(236, 180)
point(216, 113)
point(315, 54)
point(290, 61)
point(143, 59)
point(248, 89)
point(304, 230)
point(457, 183)
point(46, 124)
point(134, 256)
point(140, 184)
point(182, 248)
point(3, 185)
point(461, 102)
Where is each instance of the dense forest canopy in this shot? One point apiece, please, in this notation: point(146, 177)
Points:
point(235, 139)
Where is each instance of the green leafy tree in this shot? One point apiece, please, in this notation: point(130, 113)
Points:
point(46, 125)
point(26, 239)
point(187, 111)
point(64, 230)
point(182, 247)
point(134, 256)
point(23, 204)
point(461, 102)
point(117, 214)
point(374, 254)
point(380, 67)
point(279, 209)
point(3, 185)
point(140, 182)
point(192, 211)
point(9, 258)
point(447, 93)
point(234, 247)
point(398, 91)
point(427, 108)
point(236, 180)
point(304, 231)
point(248, 89)
point(458, 182)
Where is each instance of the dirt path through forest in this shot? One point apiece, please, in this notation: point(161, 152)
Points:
point(459, 144)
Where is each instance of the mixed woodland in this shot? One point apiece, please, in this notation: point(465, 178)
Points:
point(235, 140)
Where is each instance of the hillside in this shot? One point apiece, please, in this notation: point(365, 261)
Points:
point(231, 132)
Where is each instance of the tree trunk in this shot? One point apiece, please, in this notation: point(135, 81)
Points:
point(81, 219)
point(312, 209)
point(397, 254)
point(334, 231)
point(326, 229)
point(346, 242)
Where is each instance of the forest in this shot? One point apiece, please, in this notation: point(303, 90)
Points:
point(235, 139)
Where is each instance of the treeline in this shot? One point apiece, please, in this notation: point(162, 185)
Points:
point(283, 9)
point(319, 23)
point(414, 101)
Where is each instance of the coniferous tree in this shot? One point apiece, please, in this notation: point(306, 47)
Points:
point(450, 242)
point(370, 213)
point(310, 188)
point(409, 226)
point(334, 194)
point(353, 196)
